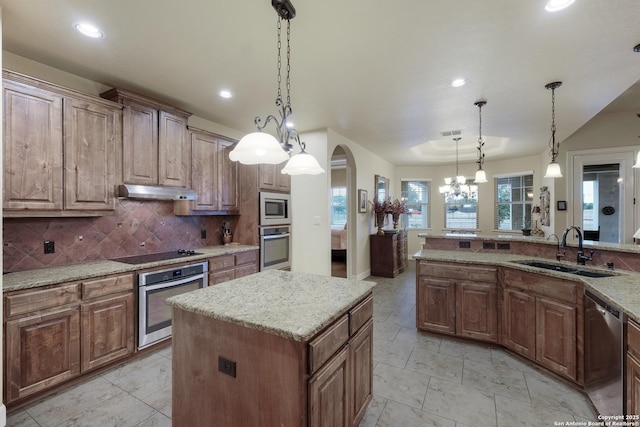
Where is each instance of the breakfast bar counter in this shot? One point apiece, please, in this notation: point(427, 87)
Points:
point(273, 348)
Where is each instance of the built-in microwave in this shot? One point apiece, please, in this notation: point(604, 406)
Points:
point(275, 209)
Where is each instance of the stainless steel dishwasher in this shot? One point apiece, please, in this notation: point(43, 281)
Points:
point(604, 344)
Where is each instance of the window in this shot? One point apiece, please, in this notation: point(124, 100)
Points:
point(514, 199)
point(338, 205)
point(461, 213)
point(416, 200)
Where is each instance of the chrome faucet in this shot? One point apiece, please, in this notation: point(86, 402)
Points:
point(581, 256)
point(558, 254)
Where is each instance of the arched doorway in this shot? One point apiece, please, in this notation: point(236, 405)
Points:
point(342, 203)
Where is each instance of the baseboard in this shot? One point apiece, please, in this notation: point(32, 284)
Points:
point(3, 415)
point(364, 275)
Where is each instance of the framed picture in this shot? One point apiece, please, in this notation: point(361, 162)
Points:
point(562, 205)
point(362, 201)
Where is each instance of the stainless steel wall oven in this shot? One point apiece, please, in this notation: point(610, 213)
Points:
point(154, 316)
point(275, 248)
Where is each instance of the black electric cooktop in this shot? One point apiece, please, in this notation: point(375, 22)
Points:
point(160, 256)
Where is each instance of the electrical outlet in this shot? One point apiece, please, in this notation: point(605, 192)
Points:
point(143, 244)
point(226, 366)
point(49, 247)
point(203, 234)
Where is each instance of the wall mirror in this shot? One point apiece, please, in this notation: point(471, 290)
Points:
point(382, 188)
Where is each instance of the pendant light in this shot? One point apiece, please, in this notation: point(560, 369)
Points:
point(262, 148)
point(481, 175)
point(553, 169)
point(455, 187)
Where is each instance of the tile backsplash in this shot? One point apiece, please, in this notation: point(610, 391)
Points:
point(136, 228)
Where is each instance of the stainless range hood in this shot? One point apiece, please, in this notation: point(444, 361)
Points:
point(150, 192)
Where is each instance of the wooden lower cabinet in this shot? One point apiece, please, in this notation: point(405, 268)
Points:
point(232, 266)
point(437, 304)
point(42, 350)
point(55, 334)
point(329, 393)
point(633, 368)
point(450, 301)
point(325, 381)
point(519, 322)
point(388, 254)
point(107, 330)
point(556, 337)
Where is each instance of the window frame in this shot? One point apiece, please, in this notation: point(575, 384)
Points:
point(345, 205)
point(463, 201)
point(523, 203)
point(424, 207)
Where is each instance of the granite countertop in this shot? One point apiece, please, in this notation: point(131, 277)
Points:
point(291, 305)
point(619, 247)
point(621, 290)
point(87, 270)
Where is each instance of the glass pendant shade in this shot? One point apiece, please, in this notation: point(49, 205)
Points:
point(553, 171)
point(460, 179)
point(447, 181)
point(637, 165)
point(258, 147)
point(302, 164)
point(481, 176)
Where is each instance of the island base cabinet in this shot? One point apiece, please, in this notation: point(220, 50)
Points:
point(361, 355)
point(42, 350)
point(633, 385)
point(477, 313)
point(329, 393)
point(437, 302)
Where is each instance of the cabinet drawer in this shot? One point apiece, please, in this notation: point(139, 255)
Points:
point(220, 276)
point(633, 338)
point(247, 257)
point(330, 341)
point(28, 302)
point(360, 315)
point(540, 284)
point(107, 286)
point(221, 262)
point(457, 271)
point(245, 270)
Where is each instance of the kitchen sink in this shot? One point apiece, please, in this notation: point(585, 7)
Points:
point(565, 269)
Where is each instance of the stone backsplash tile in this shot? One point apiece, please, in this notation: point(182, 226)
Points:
point(122, 234)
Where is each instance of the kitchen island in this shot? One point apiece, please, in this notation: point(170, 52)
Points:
point(275, 348)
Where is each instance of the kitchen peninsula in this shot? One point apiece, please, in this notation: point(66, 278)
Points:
point(273, 348)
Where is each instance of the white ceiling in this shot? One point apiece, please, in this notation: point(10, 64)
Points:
point(376, 72)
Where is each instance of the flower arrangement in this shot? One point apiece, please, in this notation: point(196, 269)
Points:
point(396, 208)
point(380, 210)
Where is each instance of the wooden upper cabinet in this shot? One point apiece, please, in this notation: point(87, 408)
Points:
point(32, 148)
point(59, 150)
point(213, 176)
point(155, 146)
point(173, 150)
point(270, 177)
point(91, 134)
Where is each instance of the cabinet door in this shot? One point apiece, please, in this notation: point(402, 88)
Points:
point(91, 133)
point(267, 177)
point(140, 143)
point(476, 313)
point(283, 181)
point(32, 148)
point(556, 337)
point(436, 305)
point(329, 393)
point(633, 385)
point(203, 171)
point(107, 330)
point(361, 359)
point(519, 322)
point(42, 350)
point(227, 178)
point(173, 152)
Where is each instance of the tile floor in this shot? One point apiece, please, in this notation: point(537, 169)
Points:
point(420, 379)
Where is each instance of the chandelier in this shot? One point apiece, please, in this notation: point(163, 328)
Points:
point(553, 168)
point(455, 187)
point(262, 148)
point(481, 175)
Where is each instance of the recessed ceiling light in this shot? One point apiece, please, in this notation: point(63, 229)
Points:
point(556, 5)
point(458, 82)
point(89, 30)
point(225, 94)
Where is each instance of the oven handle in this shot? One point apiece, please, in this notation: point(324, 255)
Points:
point(172, 283)
point(276, 236)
